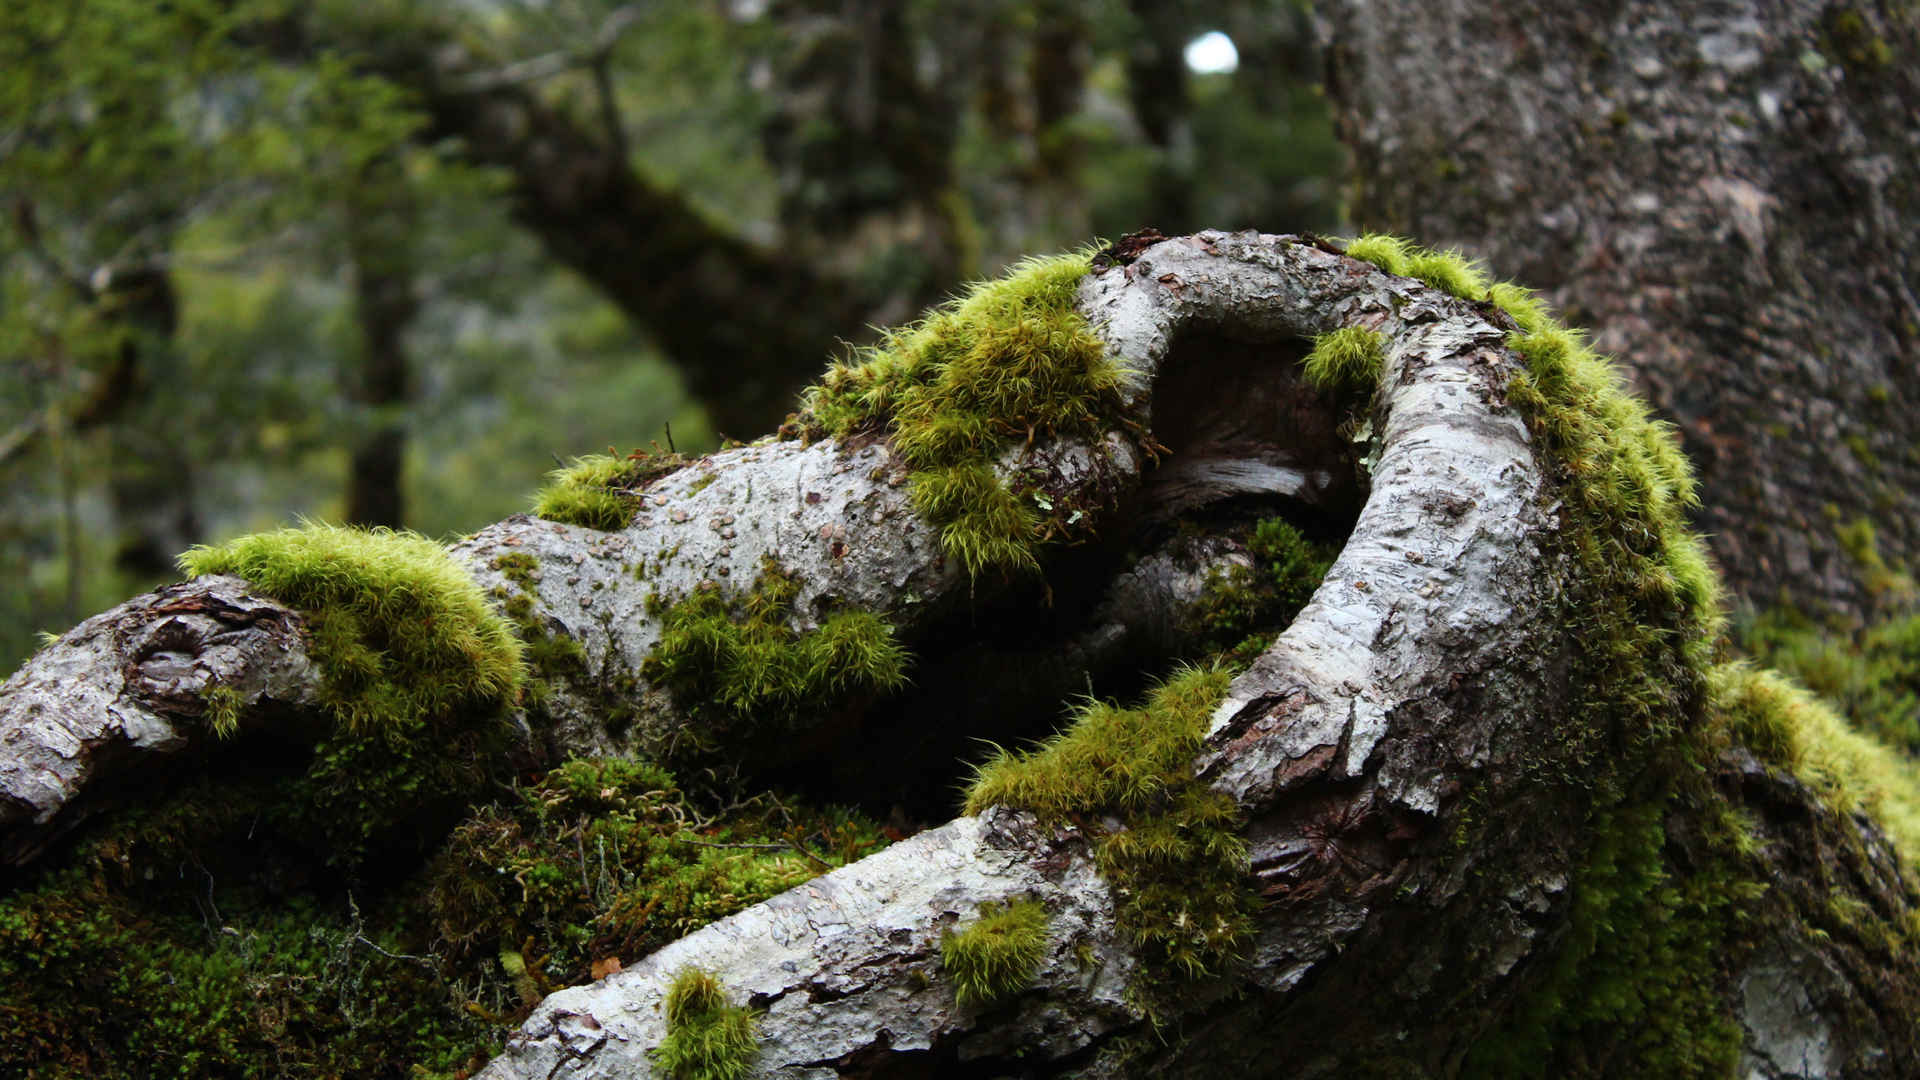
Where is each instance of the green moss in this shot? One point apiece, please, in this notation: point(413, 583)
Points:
point(738, 663)
point(223, 710)
point(996, 955)
point(417, 670)
point(1178, 866)
point(707, 1038)
point(610, 857)
point(602, 491)
point(1870, 674)
point(401, 630)
point(1389, 253)
point(1346, 362)
point(200, 936)
point(1791, 729)
point(1450, 272)
point(1888, 586)
point(1009, 362)
point(163, 946)
point(1639, 972)
point(1243, 607)
point(549, 656)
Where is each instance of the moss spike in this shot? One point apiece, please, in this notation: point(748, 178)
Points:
point(996, 955)
point(707, 1038)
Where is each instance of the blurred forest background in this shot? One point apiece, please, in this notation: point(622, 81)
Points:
point(388, 262)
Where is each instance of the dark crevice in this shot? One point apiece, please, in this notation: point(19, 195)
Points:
point(1008, 670)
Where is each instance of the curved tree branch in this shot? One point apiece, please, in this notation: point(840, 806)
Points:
point(1422, 768)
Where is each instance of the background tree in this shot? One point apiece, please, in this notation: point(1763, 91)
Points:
point(1722, 197)
point(700, 195)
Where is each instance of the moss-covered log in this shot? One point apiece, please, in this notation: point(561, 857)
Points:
point(1493, 802)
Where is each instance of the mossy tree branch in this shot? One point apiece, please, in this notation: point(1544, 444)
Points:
point(1491, 780)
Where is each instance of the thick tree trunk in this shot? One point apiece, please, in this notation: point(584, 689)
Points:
point(1429, 772)
point(1722, 193)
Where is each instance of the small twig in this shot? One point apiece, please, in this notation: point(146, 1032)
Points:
point(580, 850)
point(782, 846)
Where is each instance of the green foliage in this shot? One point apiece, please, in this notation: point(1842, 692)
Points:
point(1243, 607)
point(707, 1038)
point(601, 491)
point(1178, 866)
point(996, 955)
point(1346, 361)
point(739, 662)
point(609, 858)
point(1009, 361)
point(417, 669)
point(165, 946)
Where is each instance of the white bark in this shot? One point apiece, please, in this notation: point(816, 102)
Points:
point(1444, 576)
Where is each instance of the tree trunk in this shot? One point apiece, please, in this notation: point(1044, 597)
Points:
point(1485, 814)
point(1721, 193)
point(381, 221)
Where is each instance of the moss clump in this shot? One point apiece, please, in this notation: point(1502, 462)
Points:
point(996, 955)
point(1178, 865)
point(738, 663)
point(1011, 361)
point(610, 858)
point(400, 629)
point(1346, 362)
point(1790, 728)
point(1244, 607)
point(602, 491)
point(707, 1038)
point(223, 710)
point(417, 669)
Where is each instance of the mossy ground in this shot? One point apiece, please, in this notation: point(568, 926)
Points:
point(738, 665)
point(1009, 362)
point(997, 954)
point(1640, 985)
point(192, 940)
point(196, 937)
point(708, 1038)
point(609, 858)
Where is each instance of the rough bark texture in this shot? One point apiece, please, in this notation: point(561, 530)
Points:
point(1722, 194)
point(1414, 835)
